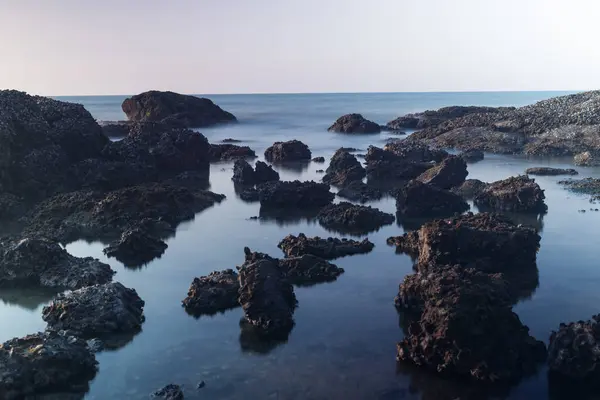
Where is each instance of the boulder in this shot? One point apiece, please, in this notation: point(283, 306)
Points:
point(354, 219)
point(136, 248)
point(472, 156)
point(359, 191)
point(547, 171)
point(265, 173)
point(307, 270)
point(228, 152)
point(451, 172)
point(329, 249)
point(169, 392)
point(586, 159)
point(292, 150)
point(515, 194)
point(243, 174)
point(37, 261)
point(214, 293)
point(45, 364)
point(296, 194)
point(96, 311)
point(318, 159)
point(354, 123)
point(189, 111)
point(417, 199)
point(343, 169)
point(470, 188)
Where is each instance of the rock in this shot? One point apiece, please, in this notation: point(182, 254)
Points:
point(359, 191)
point(406, 244)
point(292, 150)
point(415, 151)
point(432, 118)
point(36, 261)
point(201, 385)
point(590, 186)
point(385, 168)
point(351, 218)
point(169, 392)
point(214, 293)
point(343, 169)
point(417, 199)
point(451, 172)
point(136, 248)
point(472, 156)
point(296, 194)
point(320, 171)
point(516, 194)
point(228, 152)
point(243, 174)
point(307, 270)
point(247, 194)
point(45, 364)
point(96, 311)
point(318, 159)
point(586, 159)
point(267, 298)
point(547, 171)
point(230, 140)
point(189, 111)
point(115, 129)
point(354, 123)
point(329, 249)
point(265, 173)
point(470, 188)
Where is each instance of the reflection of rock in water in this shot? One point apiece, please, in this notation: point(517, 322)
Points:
point(411, 224)
point(287, 217)
point(29, 299)
point(535, 221)
point(253, 339)
point(294, 166)
point(522, 282)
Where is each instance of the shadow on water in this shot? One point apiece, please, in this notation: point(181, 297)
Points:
point(252, 340)
point(27, 298)
point(286, 217)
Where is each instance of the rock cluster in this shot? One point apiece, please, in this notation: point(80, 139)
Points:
point(388, 170)
point(244, 174)
point(590, 186)
point(432, 118)
point(417, 199)
point(354, 219)
point(328, 249)
point(169, 392)
point(354, 123)
point(361, 192)
point(516, 194)
point(290, 151)
point(295, 194)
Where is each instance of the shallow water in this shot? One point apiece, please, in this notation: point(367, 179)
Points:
point(343, 344)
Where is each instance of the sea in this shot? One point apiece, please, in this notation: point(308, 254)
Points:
point(343, 345)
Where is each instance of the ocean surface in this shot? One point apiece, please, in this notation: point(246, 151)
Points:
point(343, 345)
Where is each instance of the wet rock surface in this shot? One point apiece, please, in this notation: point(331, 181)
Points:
point(169, 392)
point(308, 270)
point(589, 186)
point(290, 151)
point(228, 152)
point(45, 364)
point(515, 194)
point(354, 219)
point(343, 169)
point(451, 172)
point(472, 156)
point(136, 248)
point(96, 311)
point(294, 194)
point(417, 199)
point(216, 292)
point(547, 171)
point(329, 248)
point(470, 188)
point(354, 123)
point(415, 151)
point(361, 192)
point(175, 108)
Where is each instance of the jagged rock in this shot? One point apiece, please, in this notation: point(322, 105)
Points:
point(470, 188)
point(343, 169)
point(318, 159)
point(227, 152)
point(96, 311)
point(243, 174)
point(547, 171)
point(308, 269)
point(586, 159)
point(385, 168)
point(169, 392)
point(359, 191)
point(214, 293)
point(432, 118)
point(472, 156)
point(589, 186)
point(417, 199)
point(415, 151)
point(451, 172)
point(354, 123)
point(516, 194)
point(265, 173)
point(352, 218)
point(296, 194)
point(136, 247)
point(329, 249)
point(188, 111)
point(292, 150)
point(407, 243)
point(37, 261)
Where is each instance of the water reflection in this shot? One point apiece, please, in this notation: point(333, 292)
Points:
point(293, 166)
point(286, 217)
point(253, 340)
point(535, 221)
point(27, 298)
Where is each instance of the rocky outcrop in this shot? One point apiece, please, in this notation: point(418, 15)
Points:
point(431, 118)
point(354, 123)
point(175, 108)
point(243, 174)
point(45, 364)
point(516, 194)
point(589, 186)
point(264, 173)
point(296, 194)
point(586, 159)
point(214, 293)
point(36, 261)
point(329, 249)
point(387, 169)
point(96, 311)
point(354, 219)
point(228, 152)
point(359, 191)
point(230, 140)
point(343, 169)
point(417, 199)
point(470, 188)
point(451, 172)
point(307, 270)
point(318, 159)
point(472, 156)
point(136, 248)
point(415, 152)
point(169, 392)
point(547, 171)
point(292, 150)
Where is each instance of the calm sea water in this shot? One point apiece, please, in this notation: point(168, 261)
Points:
point(343, 344)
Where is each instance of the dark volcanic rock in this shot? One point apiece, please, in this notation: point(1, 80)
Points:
point(169, 392)
point(318, 159)
point(387, 169)
point(352, 218)
point(329, 249)
point(248, 194)
point(516, 194)
point(294, 194)
point(354, 123)
point(359, 191)
point(45, 364)
point(470, 188)
point(36, 261)
point(451, 172)
point(417, 199)
point(214, 293)
point(188, 111)
point(227, 152)
point(432, 118)
point(265, 173)
point(292, 150)
point(96, 311)
point(472, 156)
point(243, 174)
point(343, 169)
point(115, 129)
point(136, 247)
point(415, 151)
point(547, 171)
point(589, 186)
point(230, 140)
point(307, 269)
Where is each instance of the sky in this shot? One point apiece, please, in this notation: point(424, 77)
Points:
point(92, 47)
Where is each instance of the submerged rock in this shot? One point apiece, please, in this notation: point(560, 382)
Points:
point(547, 171)
point(329, 249)
point(307, 269)
point(589, 186)
point(516, 194)
point(292, 150)
point(472, 156)
point(296, 194)
point(214, 293)
point(451, 172)
point(359, 191)
point(354, 123)
point(470, 188)
point(45, 364)
point(136, 247)
point(169, 392)
point(352, 218)
point(343, 169)
point(227, 152)
point(417, 199)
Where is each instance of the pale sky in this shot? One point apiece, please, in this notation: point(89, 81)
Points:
point(73, 47)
